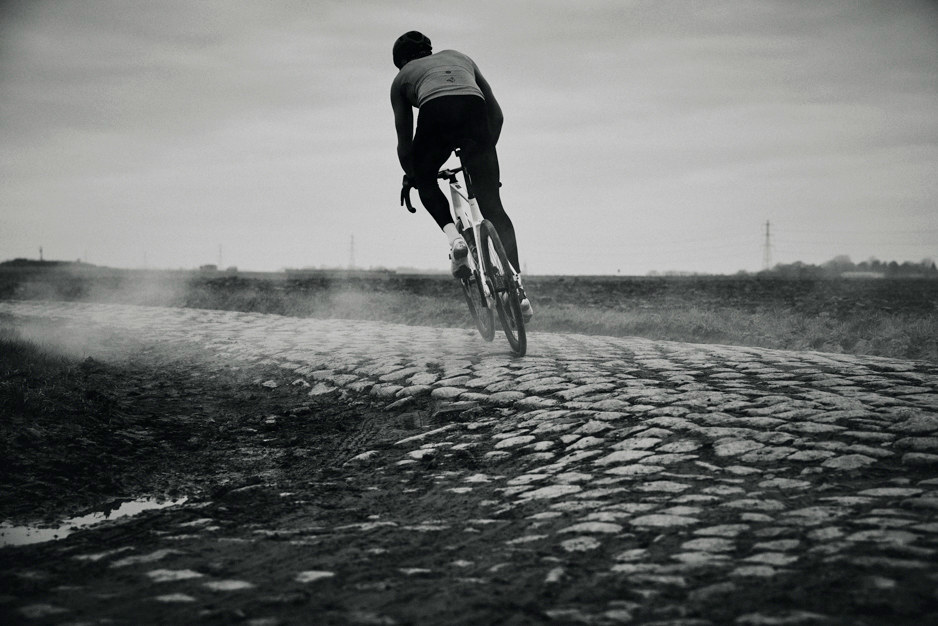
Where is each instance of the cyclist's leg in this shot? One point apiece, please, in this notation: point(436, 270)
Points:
point(483, 167)
point(481, 159)
point(430, 151)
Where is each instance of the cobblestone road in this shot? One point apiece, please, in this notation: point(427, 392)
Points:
point(680, 474)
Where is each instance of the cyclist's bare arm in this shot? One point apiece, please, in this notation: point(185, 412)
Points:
point(492, 110)
point(404, 125)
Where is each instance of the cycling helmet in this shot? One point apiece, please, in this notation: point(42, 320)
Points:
point(409, 46)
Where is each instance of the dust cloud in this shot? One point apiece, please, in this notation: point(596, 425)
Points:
point(90, 284)
point(87, 284)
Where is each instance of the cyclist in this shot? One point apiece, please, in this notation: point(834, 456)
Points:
point(457, 110)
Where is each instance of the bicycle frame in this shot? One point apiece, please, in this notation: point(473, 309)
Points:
point(467, 216)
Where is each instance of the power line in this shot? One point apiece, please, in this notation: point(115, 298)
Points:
point(767, 249)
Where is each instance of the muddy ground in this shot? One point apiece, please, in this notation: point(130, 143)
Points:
point(79, 432)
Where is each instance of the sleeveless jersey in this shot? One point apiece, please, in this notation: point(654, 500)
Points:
point(445, 73)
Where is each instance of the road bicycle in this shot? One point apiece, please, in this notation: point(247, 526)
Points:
point(490, 283)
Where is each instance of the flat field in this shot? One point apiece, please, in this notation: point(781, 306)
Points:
point(882, 317)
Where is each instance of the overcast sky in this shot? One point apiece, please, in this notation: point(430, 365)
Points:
point(639, 136)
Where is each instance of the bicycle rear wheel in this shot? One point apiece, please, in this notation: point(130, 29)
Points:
point(504, 288)
point(481, 314)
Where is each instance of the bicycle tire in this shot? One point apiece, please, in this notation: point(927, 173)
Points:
point(501, 281)
point(481, 314)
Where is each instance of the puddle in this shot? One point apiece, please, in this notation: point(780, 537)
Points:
point(22, 535)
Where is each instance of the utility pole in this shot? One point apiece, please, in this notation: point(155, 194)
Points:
point(767, 249)
point(40, 254)
point(351, 254)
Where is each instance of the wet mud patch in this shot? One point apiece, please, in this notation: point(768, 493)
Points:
point(85, 436)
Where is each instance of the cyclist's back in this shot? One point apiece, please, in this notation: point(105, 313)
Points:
point(444, 73)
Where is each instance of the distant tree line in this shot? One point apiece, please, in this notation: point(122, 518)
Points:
point(20, 262)
point(842, 266)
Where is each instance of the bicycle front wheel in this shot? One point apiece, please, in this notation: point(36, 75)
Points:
point(481, 314)
point(502, 283)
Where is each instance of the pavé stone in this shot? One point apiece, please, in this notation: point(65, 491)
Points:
point(668, 459)
point(637, 469)
point(922, 423)
point(506, 397)
point(781, 545)
point(682, 510)
point(814, 515)
point(813, 428)
point(585, 442)
point(754, 571)
point(784, 483)
point(622, 456)
point(709, 544)
point(881, 535)
point(638, 443)
point(918, 444)
point(891, 492)
point(825, 534)
point(321, 389)
point(755, 505)
point(513, 442)
point(723, 530)
point(228, 585)
point(849, 462)
point(883, 522)
point(864, 435)
point(576, 505)
point(410, 391)
point(768, 454)
point(171, 598)
point(554, 427)
point(422, 378)
point(526, 479)
point(152, 557)
point(400, 374)
point(736, 447)
point(679, 447)
point(808, 456)
point(593, 527)
point(876, 453)
point(447, 393)
point(552, 491)
point(723, 490)
point(785, 618)
point(575, 457)
point(920, 458)
point(592, 427)
point(580, 544)
point(663, 521)
point(666, 486)
point(313, 575)
point(525, 539)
